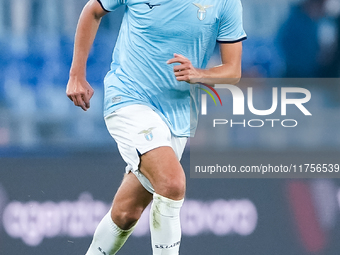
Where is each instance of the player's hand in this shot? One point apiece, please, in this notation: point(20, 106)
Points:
point(80, 92)
point(185, 71)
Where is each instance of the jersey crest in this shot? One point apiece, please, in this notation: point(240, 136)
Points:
point(202, 10)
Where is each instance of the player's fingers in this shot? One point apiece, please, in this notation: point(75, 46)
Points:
point(183, 78)
point(69, 94)
point(178, 68)
point(90, 93)
point(174, 60)
point(73, 99)
point(178, 59)
point(87, 97)
point(181, 67)
point(86, 102)
point(180, 56)
point(182, 73)
point(182, 59)
point(78, 101)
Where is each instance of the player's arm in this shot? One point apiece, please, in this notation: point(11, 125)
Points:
point(229, 72)
point(78, 89)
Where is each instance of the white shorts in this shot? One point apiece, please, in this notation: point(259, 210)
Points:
point(138, 129)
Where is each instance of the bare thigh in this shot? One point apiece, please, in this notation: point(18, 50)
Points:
point(164, 171)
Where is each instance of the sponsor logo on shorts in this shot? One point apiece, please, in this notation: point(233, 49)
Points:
point(147, 133)
point(160, 246)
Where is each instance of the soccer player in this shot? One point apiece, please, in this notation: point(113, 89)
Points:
point(163, 47)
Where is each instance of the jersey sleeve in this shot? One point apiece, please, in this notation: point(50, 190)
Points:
point(231, 24)
point(111, 5)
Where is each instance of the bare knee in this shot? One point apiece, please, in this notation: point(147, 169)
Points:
point(125, 219)
point(172, 187)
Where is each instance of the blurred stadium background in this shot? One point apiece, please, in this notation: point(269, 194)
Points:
point(59, 168)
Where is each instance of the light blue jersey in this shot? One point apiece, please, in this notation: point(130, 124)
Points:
point(151, 32)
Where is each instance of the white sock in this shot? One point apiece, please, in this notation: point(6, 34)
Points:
point(108, 237)
point(165, 225)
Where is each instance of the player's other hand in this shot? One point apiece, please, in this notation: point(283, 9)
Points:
point(80, 92)
point(185, 71)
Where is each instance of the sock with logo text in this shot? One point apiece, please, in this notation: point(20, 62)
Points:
point(165, 225)
point(108, 237)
